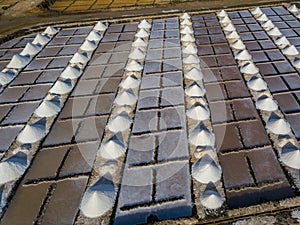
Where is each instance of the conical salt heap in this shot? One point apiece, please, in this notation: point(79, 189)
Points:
point(266, 103)
point(201, 136)
point(262, 18)
point(139, 42)
point(88, 46)
point(290, 156)
point(238, 45)
point(62, 87)
point(185, 16)
point(99, 198)
point(186, 22)
point(190, 49)
point(79, 58)
point(225, 21)
point(211, 198)
point(31, 49)
point(188, 38)
point(71, 72)
point(113, 148)
point(293, 8)
point(134, 66)
point(290, 51)
point(33, 132)
point(282, 42)
point(41, 39)
point(130, 81)
point(195, 90)
point(257, 84)
point(233, 35)
point(100, 26)
point(206, 170)
point(274, 32)
point(49, 107)
point(194, 74)
point(277, 125)
point(137, 54)
point(243, 55)
point(256, 12)
point(144, 24)
point(94, 36)
point(229, 28)
point(222, 14)
point(191, 59)
point(142, 33)
point(198, 112)
point(51, 31)
point(268, 25)
point(18, 62)
point(6, 77)
point(127, 97)
point(249, 68)
point(296, 62)
point(119, 123)
point(186, 30)
point(13, 168)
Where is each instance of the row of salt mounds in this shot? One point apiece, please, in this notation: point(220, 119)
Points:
point(295, 10)
point(15, 162)
point(100, 196)
point(21, 60)
point(276, 124)
point(205, 169)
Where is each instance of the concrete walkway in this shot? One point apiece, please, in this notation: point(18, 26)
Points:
point(78, 5)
